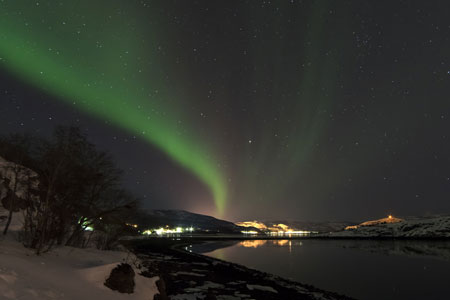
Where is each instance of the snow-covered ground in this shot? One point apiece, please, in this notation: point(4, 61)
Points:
point(65, 273)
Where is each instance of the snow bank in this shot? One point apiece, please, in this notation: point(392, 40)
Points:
point(65, 273)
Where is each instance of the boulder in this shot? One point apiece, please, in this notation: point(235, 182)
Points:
point(162, 291)
point(121, 279)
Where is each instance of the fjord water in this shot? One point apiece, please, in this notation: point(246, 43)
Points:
point(361, 269)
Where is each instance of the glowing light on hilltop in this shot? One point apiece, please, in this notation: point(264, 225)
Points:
point(277, 229)
point(262, 226)
point(280, 227)
point(351, 227)
point(255, 224)
point(389, 220)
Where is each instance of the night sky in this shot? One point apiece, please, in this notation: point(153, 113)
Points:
point(307, 110)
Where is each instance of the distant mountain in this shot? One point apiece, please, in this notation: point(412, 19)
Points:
point(153, 219)
point(425, 227)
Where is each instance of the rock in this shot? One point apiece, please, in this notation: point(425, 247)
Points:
point(210, 296)
point(12, 202)
point(162, 291)
point(121, 279)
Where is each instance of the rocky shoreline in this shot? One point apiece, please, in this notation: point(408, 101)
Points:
point(186, 275)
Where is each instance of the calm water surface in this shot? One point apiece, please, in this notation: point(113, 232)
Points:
point(361, 269)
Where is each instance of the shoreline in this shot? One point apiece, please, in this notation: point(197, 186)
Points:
point(189, 275)
point(199, 238)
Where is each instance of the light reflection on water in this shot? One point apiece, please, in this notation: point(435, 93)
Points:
point(259, 243)
point(361, 269)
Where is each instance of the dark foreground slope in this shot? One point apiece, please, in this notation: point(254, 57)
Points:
point(188, 275)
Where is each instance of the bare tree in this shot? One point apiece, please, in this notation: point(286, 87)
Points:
point(79, 189)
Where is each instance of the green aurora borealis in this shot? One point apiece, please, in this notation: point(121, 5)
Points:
point(93, 62)
point(243, 109)
point(100, 61)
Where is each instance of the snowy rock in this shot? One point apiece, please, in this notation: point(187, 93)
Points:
point(121, 279)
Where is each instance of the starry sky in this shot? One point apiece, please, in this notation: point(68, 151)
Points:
point(306, 110)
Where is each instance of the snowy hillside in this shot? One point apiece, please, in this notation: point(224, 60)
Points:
point(432, 227)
